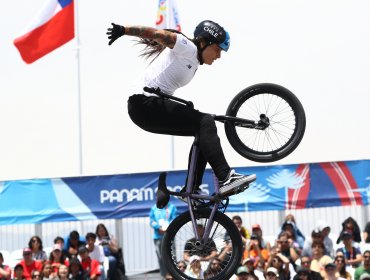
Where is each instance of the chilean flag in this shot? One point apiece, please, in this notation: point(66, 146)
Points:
point(53, 27)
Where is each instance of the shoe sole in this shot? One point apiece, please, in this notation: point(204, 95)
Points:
point(242, 182)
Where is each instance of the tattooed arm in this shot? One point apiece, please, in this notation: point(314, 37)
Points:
point(162, 37)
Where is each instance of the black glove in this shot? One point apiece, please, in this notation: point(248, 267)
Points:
point(115, 32)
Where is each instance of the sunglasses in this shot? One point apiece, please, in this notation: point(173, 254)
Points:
point(35, 241)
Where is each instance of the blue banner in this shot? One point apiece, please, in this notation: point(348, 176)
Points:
point(131, 195)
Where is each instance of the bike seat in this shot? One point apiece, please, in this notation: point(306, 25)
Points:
point(163, 196)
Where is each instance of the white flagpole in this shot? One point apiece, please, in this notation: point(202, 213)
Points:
point(79, 127)
point(168, 25)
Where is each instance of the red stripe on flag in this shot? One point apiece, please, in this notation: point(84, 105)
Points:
point(47, 37)
point(343, 182)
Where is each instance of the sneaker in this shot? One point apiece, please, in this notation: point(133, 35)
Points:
point(235, 182)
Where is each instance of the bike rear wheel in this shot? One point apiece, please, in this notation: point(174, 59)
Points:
point(286, 118)
point(224, 238)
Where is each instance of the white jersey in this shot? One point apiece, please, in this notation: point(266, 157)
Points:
point(172, 69)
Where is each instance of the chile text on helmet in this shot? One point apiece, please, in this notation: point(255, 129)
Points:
point(211, 30)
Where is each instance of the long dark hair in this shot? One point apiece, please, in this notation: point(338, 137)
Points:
point(343, 271)
point(154, 49)
point(39, 241)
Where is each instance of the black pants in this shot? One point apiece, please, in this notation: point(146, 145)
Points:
point(168, 117)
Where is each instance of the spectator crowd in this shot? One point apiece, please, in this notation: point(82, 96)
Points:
point(95, 256)
point(291, 255)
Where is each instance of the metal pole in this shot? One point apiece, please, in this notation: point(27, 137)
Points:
point(168, 25)
point(79, 127)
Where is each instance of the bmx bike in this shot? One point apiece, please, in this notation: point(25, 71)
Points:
point(264, 123)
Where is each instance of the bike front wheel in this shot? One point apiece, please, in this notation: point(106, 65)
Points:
point(224, 243)
point(274, 105)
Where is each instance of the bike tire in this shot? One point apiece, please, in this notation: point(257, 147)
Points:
point(181, 230)
point(287, 122)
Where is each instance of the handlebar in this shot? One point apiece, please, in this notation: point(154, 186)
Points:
point(158, 92)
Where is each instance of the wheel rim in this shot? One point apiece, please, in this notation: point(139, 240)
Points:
point(282, 126)
point(183, 237)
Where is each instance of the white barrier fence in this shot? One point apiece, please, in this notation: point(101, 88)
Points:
point(135, 234)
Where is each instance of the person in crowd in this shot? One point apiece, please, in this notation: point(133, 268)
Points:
point(365, 267)
point(60, 240)
point(110, 248)
point(47, 272)
point(76, 271)
point(302, 273)
point(169, 277)
point(194, 268)
point(213, 269)
point(56, 259)
point(305, 262)
point(256, 253)
point(254, 274)
point(350, 225)
point(18, 272)
point(257, 231)
point(242, 273)
point(159, 221)
point(286, 246)
point(5, 271)
point(90, 266)
point(72, 242)
point(35, 244)
point(316, 236)
point(63, 272)
point(319, 260)
point(366, 233)
point(330, 272)
point(181, 265)
point(299, 236)
point(190, 248)
point(96, 252)
point(325, 230)
point(29, 264)
point(365, 276)
point(291, 229)
point(351, 253)
point(36, 275)
point(273, 274)
point(244, 233)
point(341, 270)
point(280, 262)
